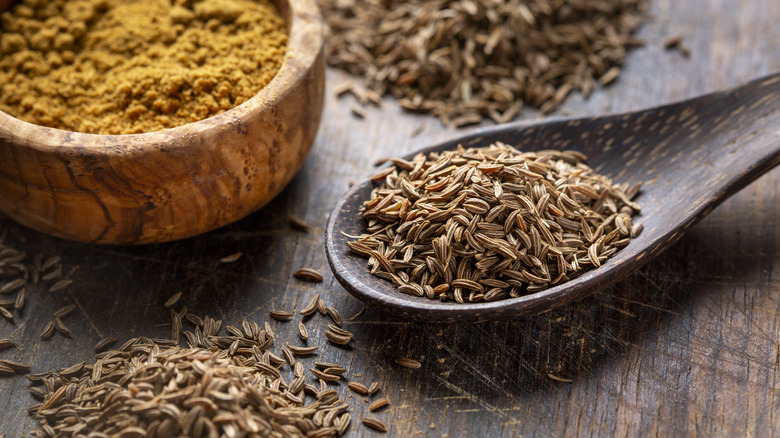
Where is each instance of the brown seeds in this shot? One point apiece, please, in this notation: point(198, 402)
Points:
point(6, 343)
point(302, 332)
point(408, 363)
point(61, 327)
point(302, 351)
point(20, 299)
point(308, 274)
point(464, 60)
point(48, 331)
point(61, 284)
point(358, 387)
point(16, 366)
point(6, 370)
point(173, 300)
point(676, 42)
point(13, 285)
point(104, 344)
point(64, 311)
point(311, 307)
point(216, 393)
point(231, 258)
point(281, 315)
point(298, 223)
point(491, 223)
point(378, 404)
point(375, 424)
point(338, 338)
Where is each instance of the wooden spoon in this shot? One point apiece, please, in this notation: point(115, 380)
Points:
point(690, 156)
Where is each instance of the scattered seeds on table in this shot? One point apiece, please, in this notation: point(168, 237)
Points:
point(48, 331)
point(335, 370)
point(6, 371)
point(311, 307)
point(173, 300)
point(176, 326)
point(64, 311)
point(104, 344)
point(359, 312)
point(343, 422)
point(238, 388)
point(302, 351)
point(357, 112)
point(231, 258)
point(358, 387)
point(298, 224)
point(324, 376)
point(6, 343)
point(281, 315)
point(559, 379)
point(408, 363)
point(16, 366)
point(321, 306)
point(288, 355)
point(57, 273)
point(13, 285)
point(325, 365)
point(463, 60)
point(303, 333)
point(308, 274)
point(21, 298)
point(61, 327)
point(61, 284)
point(38, 393)
point(676, 42)
point(333, 314)
point(378, 404)
point(50, 263)
point(375, 424)
point(336, 338)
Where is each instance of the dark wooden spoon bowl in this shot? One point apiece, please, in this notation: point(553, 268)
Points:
point(690, 156)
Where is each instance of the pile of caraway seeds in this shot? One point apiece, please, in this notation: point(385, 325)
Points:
point(485, 224)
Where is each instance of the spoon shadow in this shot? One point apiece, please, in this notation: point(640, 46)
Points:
point(690, 156)
point(506, 361)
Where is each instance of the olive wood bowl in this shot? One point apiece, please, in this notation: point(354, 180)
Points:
point(175, 183)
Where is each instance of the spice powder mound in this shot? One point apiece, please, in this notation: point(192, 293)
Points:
point(132, 66)
point(484, 224)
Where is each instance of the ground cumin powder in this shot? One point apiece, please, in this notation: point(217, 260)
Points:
point(130, 66)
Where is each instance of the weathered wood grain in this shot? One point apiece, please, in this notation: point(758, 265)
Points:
point(686, 346)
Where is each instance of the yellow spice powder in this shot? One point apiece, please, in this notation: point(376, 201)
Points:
point(131, 66)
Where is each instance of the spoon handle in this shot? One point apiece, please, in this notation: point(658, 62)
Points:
point(734, 137)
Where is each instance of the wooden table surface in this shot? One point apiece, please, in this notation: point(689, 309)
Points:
point(688, 345)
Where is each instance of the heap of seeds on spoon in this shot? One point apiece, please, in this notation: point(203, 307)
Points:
point(485, 224)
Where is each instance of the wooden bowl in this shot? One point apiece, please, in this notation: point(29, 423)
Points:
point(175, 183)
